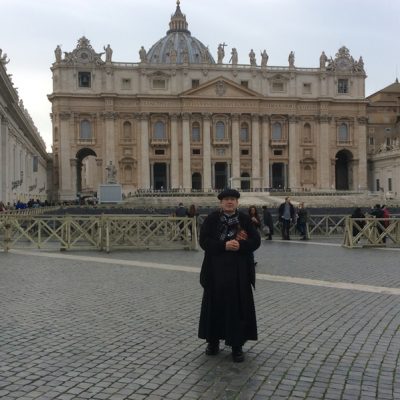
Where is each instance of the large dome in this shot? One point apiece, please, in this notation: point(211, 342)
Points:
point(179, 46)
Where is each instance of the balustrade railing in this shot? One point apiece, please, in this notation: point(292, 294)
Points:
point(100, 232)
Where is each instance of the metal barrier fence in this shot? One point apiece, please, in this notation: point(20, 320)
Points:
point(317, 225)
point(371, 232)
point(99, 232)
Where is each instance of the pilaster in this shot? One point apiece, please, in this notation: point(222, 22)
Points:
point(235, 152)
point(293, 148)
point(265, 150)
point(186, 172)
point(174, 152)
point(255, 150)
point(206, 151)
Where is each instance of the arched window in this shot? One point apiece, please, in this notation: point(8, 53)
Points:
point(308, 174)
point(220, 130)
point(244, 132)
point(127, 128)
point(276, 131)
point(128, 173)
point(196, 181)
point(159, 130)
point(195, 132)
point(85, 132)
point(343, 133)
point(245, 183)
point(307, 133)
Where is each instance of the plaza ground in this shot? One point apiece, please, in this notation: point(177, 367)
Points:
point(90, 325)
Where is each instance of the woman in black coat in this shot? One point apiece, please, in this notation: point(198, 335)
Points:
point(227, 275)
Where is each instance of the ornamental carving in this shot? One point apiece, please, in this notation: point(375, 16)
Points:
point(344, 62)
point(220, 88)
point(82, 54)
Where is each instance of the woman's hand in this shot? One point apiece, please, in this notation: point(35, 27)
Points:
point(241, 235)
point(232, 245)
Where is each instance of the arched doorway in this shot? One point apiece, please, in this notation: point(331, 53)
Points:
point(86, 171)
point(160, 176)
point(196, 181)
point(221, 175)
point(245, 183)
point(278, 176)
point(343, 170)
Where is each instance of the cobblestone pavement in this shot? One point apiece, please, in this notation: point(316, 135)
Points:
point(86, 325)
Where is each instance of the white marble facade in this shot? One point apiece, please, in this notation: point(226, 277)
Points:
point(178, 119)
point(23, 157)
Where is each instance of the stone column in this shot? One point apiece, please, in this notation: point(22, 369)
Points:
point(235, 152)
point(66, 132)
point(206, 151)
point(100, 172)
point(4, 156)
point(324, 156)
point(174, 152)
point(110, 136)
point(144, 152)
point(73, 163)
point(362, 153)
point(186, 165)
point(255, 150)
point(265, 150)
point(293, 148)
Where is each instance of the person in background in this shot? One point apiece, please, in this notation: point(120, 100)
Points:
point(357, 225)
point(302, 219)
point(268, 224)
point(180, 212)
point(286, 217)
point(193, 213)
point(227, 275)
point(255, 220)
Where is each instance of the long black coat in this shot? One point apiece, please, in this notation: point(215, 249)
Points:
point(227, 309)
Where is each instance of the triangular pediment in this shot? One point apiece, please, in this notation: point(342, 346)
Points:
point(221, 87)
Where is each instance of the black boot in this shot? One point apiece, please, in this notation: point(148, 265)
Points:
point(212, 348)
point(237, 354)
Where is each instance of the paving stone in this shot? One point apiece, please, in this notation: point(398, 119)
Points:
point(79, 329)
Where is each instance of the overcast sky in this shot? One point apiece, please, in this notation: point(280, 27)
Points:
point(31, 29)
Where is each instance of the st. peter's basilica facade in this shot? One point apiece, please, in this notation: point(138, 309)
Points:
point(180, 119)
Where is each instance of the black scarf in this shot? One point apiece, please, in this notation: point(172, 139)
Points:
point(228, 226)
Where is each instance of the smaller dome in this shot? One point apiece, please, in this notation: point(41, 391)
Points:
point(179, 46)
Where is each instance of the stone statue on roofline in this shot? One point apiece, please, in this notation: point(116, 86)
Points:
point(109, 52)
point(264, 58)
point(252, 57)
point(143, 55)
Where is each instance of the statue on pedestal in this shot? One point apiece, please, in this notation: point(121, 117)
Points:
point(111, 173)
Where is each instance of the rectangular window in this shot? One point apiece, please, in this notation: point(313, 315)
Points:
point(126, 83)
point(343, 86)
point(388, 141)
point(371, 140)
point(84, 79)
point(245, 83)
point(278, 152)
point(35, 164)
point(390, 184)
point(307, 88)
point(195, 83)
point(159, 84)
point(245, 152)
point(159, 152)
point(277, 87)
point(196, 152)
point(378, 185)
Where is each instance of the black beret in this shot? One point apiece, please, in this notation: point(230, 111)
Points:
point(228, 193)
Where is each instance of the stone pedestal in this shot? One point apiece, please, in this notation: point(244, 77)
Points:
point(110, 193)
